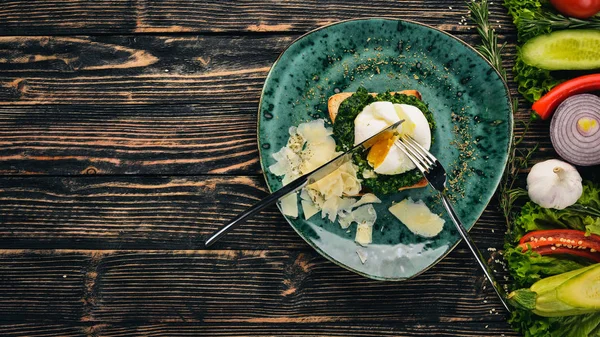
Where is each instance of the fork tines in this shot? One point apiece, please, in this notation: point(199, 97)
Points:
point(416, 153)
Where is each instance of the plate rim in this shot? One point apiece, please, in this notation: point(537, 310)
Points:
point(497, 182)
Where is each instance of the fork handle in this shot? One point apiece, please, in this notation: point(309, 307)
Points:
point(467, 238)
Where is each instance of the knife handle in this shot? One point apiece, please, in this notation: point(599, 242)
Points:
point(259, 206)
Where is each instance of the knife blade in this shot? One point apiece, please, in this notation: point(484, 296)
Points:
point(306, 179)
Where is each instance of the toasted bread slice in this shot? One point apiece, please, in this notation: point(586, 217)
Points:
point(333, 105)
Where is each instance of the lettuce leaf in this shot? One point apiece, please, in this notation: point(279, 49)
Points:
point(532, 82)
point(534, 217)
point(528, 267)
point(532, 325)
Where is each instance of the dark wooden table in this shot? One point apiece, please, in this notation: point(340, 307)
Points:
point(128, 133)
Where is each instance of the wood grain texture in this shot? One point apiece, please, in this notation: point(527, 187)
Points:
point(445, 329)
point(121, 113)
point(179, 16)
point(134, 70)
point(130, 139)
point(232, 286)
point(43, 330)
point(42, 285)
point(151, 212)
point(145, 139)
point(140, 69)
point(108, 132)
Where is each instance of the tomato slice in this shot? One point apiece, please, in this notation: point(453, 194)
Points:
point(562, 241)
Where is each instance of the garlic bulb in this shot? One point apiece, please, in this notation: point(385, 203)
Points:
point(554, 184)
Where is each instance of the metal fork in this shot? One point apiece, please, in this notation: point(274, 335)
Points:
point(435, 174)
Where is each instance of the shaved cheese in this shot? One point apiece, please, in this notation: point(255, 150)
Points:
point(364, 234)
point(330, 208)
point(289, 205)
point(345, 220)
point(417, 217)
point(362, 255)
point(368, 198)
point(315, 197)
point(308, 208)
point(314, 131)
point(346, 205)
point(310, 146)
point(315, 155)
point(365, 215)
point(329, 186)
point(350, 181)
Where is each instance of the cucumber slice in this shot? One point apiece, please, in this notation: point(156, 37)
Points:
point(583, 290)
point(564, 50)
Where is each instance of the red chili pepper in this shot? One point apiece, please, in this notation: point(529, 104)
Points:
point(546, 105)
point(562, 241)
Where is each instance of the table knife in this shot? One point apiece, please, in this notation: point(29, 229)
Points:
point(306, 179)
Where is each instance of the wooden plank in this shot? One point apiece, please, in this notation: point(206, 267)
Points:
point(178, 16)
point(140, 70)
point(444, 329)
point(151, 212)
point(233, 287)
point(135, 70)
point(128, 139)
point(16, 329)
point(101, 137)
point(144, 139)
point(34, 284)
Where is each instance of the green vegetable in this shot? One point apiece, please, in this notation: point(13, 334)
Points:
point(579, 216)
point(570, 293)
point(582, 290)
point(343, 132)
point(527, 268)
point(533, 18)
point(489, 38)
point(533, 23)
point(531, 325)
point(564, 50)
point(532, 82)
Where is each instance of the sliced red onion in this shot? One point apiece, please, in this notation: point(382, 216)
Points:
point(575, 130)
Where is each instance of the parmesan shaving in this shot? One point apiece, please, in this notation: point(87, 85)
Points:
point(364, 215)
point(345, 220)
point(364, 234)
point(308, 208)
point(362, 255)
point(310, 146)
point(418, 218)
point(289, 205)
point(368, 198)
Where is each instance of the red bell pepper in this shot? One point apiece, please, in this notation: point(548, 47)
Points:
point(546, 105)
point(562, 241)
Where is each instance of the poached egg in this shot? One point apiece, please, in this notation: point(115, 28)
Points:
point(384, 157)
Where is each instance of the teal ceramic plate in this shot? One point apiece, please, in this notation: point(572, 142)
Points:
point(469, 101)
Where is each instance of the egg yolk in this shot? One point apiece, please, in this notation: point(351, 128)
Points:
point(379, 150)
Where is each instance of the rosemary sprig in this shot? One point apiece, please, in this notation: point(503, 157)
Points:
point(489, 47)
point(517, 159)
point(533, 23)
